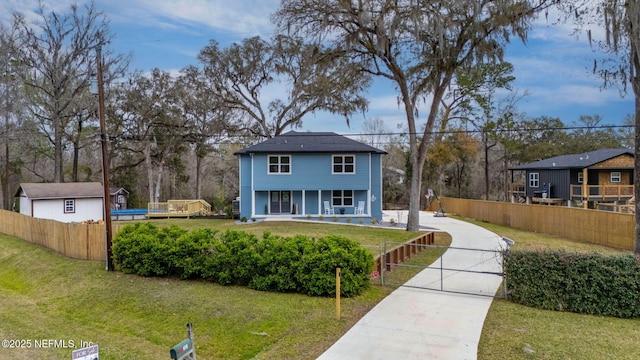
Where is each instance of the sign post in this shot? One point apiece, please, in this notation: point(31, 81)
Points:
point(338, 293)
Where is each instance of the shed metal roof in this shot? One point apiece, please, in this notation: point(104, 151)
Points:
point(310, 142)
point(60, 190)
point(575, 161)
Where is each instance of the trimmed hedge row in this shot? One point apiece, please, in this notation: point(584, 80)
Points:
point(583, 283)
point(298, 264)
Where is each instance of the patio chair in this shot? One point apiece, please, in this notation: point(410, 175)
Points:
point(328, 209)
point(360, 209)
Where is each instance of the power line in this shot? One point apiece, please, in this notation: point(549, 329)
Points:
point(398, 133)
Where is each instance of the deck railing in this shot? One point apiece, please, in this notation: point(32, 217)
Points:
point(604, 192)
point(179, 208)
point(594, 192)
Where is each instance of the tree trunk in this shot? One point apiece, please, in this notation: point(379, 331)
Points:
point(5, 184)
point(486, 165)
point(147, 155)
point(156, 197)
point(58, 174)
point(76, 153)
point(413, 218)
point(198, 174)
point(636, 172)
point(635, 83)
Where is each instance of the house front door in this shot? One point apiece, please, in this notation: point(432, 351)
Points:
point(280, 202)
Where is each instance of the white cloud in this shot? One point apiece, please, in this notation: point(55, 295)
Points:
point(29, 8)
point(242, 17)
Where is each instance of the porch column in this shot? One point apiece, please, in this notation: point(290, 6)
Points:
point(319, 202)
point(253, 203)
point(304, 211)
point(585, 188)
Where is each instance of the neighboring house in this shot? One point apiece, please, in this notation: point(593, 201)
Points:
point(600, 176)
point(118, 198)
point(310, 174)
point(64, 202)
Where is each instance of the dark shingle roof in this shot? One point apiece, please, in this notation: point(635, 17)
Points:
point(61, 190)
point(579, 161)
point(309, 142)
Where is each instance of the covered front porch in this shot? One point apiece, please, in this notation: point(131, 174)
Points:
point(311, 203)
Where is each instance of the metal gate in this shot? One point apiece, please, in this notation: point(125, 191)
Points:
point(443, 268)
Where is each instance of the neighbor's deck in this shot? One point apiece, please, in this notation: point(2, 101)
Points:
point(179, 209)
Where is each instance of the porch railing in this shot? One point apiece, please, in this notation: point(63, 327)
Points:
point(603, 192)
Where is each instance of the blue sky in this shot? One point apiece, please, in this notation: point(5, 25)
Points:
point(553, 68)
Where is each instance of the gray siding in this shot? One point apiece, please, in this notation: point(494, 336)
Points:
point(559, 180)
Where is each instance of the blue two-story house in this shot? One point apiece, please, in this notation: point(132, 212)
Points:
point(311, 174)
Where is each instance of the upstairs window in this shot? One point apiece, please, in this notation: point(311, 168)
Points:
point(344, 164)
point(279, 164)
point(616, 177)
point(580, 178)
point(534, 180)
point(69, 206)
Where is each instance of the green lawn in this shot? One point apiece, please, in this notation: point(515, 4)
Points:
point(514, 331)
point(44, 296)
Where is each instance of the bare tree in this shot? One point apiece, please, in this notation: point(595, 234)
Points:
point(416, 44)
point(151, 128)
point(207, 119)
point(11, 106)
point(58, 54)
point(315, 79)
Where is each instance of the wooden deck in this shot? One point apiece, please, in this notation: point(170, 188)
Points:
point(179, 209)
point(602, 192)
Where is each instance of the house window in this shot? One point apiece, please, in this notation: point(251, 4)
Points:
point(344, 164)
point(580, 178)
point(342, 197)
point(616, 177)
point(534, 180)
point(69, 206)
point(279, 164)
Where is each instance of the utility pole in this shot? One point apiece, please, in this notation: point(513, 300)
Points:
point(105, 163)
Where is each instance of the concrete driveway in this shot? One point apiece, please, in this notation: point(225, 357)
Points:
point(417, 323)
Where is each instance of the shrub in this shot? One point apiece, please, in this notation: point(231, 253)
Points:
point(231, 259)
point(144, 249)
point(317, 271)
point(228, 211)
point(279, 262)
point(191, 252)
point(298, 264)
point(582, 283)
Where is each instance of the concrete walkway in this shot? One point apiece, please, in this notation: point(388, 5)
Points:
point(414, 323)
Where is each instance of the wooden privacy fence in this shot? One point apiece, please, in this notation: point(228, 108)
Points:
point(78, 241)
point(610, 229)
